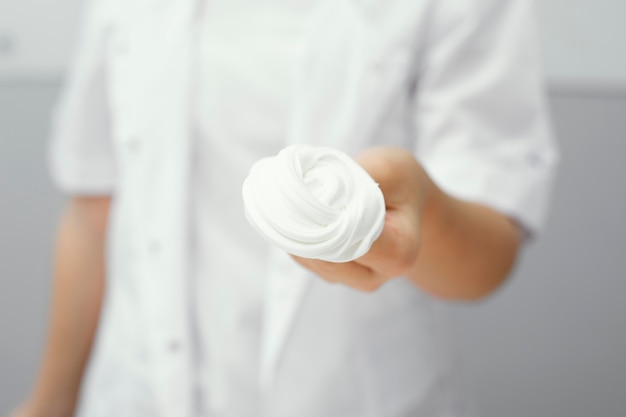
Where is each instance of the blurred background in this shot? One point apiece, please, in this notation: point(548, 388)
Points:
point(551, 343)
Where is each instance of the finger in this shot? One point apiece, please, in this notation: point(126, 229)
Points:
point(395, 170)
point(351, 274)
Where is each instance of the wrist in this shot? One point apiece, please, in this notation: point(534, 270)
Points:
point(434, 210)
point(435, 220)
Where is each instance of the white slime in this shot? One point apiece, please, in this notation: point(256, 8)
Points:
point(314, 202)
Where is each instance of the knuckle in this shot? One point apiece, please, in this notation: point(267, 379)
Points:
point(369, 288)
point(370, 285)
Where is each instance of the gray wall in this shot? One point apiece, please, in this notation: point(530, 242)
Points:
point(551, 343)
point(28, 210)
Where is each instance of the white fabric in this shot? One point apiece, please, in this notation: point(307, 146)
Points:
point(456, 81)
point(230, 255)
point(314, 202)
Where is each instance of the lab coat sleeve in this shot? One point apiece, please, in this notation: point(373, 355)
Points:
point(81, 157)
point(482, 125)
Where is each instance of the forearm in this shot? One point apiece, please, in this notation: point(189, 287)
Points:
point(466, 250)
point(77, 295)
point(449, 248)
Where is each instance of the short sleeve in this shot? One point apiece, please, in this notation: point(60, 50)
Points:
point(81, 154)
point(482, 125)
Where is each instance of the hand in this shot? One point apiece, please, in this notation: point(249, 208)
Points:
point(36, 406)
point(28, 410)
point(405, 187)
point(25, 410)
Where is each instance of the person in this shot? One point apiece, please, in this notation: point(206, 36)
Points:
point(167, 303)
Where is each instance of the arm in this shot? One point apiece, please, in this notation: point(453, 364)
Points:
point(482, 133)
point(456, 249)
point(77, 295)
point(449, 248)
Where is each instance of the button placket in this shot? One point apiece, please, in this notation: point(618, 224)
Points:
point(533, 159)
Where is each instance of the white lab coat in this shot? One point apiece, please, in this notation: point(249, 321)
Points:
point(456, 81)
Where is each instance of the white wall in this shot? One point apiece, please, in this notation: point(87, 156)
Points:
point(583, 40)
point(37, 36)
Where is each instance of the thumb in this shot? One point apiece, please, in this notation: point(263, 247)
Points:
point(395, 170)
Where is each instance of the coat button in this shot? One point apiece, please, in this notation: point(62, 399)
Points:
point(533, 159)
point(7, 44)
point(174, 346)
point(133, 144)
